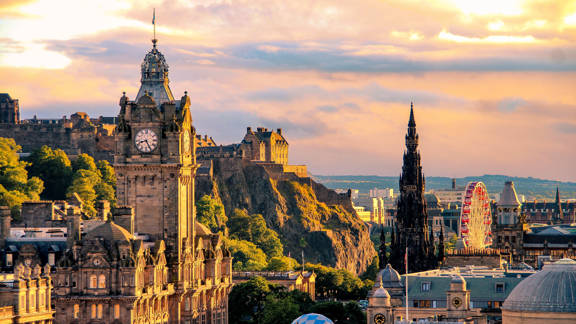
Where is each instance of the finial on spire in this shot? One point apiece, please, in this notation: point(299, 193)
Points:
point(412, 122)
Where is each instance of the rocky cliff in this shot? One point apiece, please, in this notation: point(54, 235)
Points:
point(305, 214)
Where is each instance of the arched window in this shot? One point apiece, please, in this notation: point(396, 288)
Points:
point(102, 281)
point(93, 311)
point(100, 311)
point(93, 283)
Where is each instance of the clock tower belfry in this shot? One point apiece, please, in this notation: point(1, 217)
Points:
point(155, 161)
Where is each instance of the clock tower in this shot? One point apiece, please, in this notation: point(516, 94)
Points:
point(155, 160)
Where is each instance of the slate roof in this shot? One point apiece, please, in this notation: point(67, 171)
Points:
point(508, 196)
point(110, 232)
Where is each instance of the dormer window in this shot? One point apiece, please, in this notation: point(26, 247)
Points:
point(500, 287)
point(425, 286)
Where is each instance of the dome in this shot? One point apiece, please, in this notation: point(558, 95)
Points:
point(202, 229)
point(154, 79)
point(390, 278)
point(551, 290)
point(109, 231)
point(381, 293)
point(312, 319)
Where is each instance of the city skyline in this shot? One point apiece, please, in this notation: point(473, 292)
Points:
point(492, 84)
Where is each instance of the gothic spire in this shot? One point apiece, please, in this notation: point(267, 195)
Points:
point(383, 260)
point(412, 135)
point(412, 122)
point(558, 206)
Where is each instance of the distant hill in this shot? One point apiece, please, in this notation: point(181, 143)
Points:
point(532, 188)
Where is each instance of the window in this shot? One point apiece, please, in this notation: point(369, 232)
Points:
point(425, 286)
point(93, 283)
point(76, 311)
point(116, 311)
point(100, 308)
point(500, 287)
point(93, 310)
point(187, 304)
point(51, 259)
point(102, 281)
point(9, 259)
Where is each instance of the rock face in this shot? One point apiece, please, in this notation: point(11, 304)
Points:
point(306, 215)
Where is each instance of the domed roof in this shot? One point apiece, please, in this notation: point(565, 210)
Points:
point(154, 79)
point(202, 229)
point(551, 290)
point(312, 318)
point(390, 277)
point(381, 293)
point(508, 196)
point(109, 231)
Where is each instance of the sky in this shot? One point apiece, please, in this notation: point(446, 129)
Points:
point(493, 82)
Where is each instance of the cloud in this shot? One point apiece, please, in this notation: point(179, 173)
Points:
point(567, 128)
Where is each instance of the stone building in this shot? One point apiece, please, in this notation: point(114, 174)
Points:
point(155, 164)
point(109, 276)
point(75, 135)
point(304, 281)
point(550, 212)
point(265, 146)
point(25, 295)
point(9, 110)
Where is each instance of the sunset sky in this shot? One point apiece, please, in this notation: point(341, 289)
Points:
point(493, 82)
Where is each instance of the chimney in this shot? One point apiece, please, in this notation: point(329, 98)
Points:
point(5, 218)
point(205, 137)
point(103, 209)
point(73, 219)
point(279, 130)
point(124, 216)
point(453, 183)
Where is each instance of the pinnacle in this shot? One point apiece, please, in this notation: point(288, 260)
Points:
point(412, 122)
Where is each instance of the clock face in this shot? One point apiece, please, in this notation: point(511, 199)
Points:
point(186, 141)
point(379, 319)
point(456, 302)
point(146, 140)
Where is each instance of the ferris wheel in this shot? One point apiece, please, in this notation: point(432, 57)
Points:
point(475, 217)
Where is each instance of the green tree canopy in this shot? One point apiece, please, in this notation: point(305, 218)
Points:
point(92, 181)
point(253, 228)
point(15, 186)
point(210, 212)
point(338, 283)
point(54, 168)
point(84, 162)
point(247, 256)
point(282, 263)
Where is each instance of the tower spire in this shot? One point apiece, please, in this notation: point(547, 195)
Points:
point(154, 40)
point(412, 122)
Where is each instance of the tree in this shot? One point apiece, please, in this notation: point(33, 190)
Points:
point(15, 186)
point(257, 301)
point(54, 168)
point(210, 212)
point(339, 283)
point(282, 263)
point(84, 184)
point(348, 313)
point(253, 228)
point(84, 162)
point(246, 300)
point(247, 256)
point(107, 173)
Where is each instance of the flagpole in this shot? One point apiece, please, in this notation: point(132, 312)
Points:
point(406, 262)
point(154, 22)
